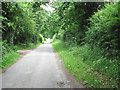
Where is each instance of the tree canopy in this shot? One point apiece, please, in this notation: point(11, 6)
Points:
point(91, 24)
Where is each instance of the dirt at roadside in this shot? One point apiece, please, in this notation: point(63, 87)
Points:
point(23, 52)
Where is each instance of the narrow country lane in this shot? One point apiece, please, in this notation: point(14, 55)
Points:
point(40, 68)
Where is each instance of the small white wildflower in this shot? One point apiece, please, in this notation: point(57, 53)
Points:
point(68, 65)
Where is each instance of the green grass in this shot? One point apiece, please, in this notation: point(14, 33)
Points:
point(78, 61)
point(11, 56)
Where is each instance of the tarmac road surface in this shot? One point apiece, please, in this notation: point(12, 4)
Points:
point(40, 68)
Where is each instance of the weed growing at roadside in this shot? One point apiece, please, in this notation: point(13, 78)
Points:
point(10, 57)
point(80, 62)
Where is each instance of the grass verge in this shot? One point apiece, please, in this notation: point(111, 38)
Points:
point(73, 58)
point(11, 56)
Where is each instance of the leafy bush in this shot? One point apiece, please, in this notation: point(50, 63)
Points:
point(103, 31)
point(53, 38)
point(41, 38)
point(96, 60)
point(6, 48)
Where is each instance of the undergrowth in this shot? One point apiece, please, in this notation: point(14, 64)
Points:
point(24, 47)
point(88, 66)
point(10, 54)
point(9, 58)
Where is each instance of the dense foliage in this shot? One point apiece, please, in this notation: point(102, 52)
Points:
point(104, 30)
point(90, 30)
point(95, 28)
point(21, 24)
point(72, 17)
point(21, 27)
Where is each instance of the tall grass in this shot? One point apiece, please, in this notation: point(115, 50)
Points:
point(88, 66)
